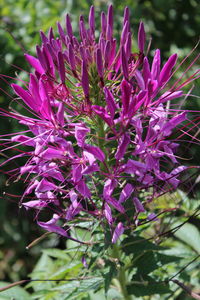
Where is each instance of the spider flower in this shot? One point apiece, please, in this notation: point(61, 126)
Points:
point(99, 126)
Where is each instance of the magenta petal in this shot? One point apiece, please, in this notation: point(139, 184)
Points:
point(69, 26)
point(155, 69)
point(25, 96)
point(108, 213)
point(34, 62)
point(60, 113)
point(83, 189)
point(45, 108)
point(126, 14)
point(34, 90)
point(52, 153)
point(84, 262)
point(71, 57)
point(107, 52)
point(141, 37)
point(61, 32)
point(73, 196)
point(123, 144)
point(138, 205)
point(152, 217)
point(146, 71)
point(172, 123)
point(61, 67)
point(178, 170)
point(80, 135)
point(45, 185)
point(109, 186)
point(43, 37)
point(167, 68)
point(168, 96)
point(90, 157)
point(75, 207)
point(35, 204)
point(31, 187)
point(53, 173)
point(23, 139)
point(128, 46)
point(124, 63)
point(101, 112)
point(112, 201)
point(140, 79)
point(99, 63)
point(112, 107)
point(97, 152)
point(103, 23)
point(91, 169)
point(53, 228)
point(85, 79)
point(126, 94)
point(126, 192)
point(124, 33)
point(117, 232)
point(132, 166)
point(92, 19)
point(42, 58)
point(110, 18)
point(76, 173)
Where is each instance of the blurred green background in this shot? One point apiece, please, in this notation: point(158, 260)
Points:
point(173, 25)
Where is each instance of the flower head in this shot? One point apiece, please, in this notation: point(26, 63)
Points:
point(100, 126)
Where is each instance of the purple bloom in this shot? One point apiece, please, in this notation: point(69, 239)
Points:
point(141, 37)
point(138, 205)
point(117, 232)
point(96, 142)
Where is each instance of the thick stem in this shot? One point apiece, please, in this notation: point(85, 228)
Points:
point(121, 274)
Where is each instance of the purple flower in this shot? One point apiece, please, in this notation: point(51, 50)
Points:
point(101, 128)
point(117, 232)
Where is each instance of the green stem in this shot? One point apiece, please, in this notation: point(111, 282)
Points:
point(121, 274)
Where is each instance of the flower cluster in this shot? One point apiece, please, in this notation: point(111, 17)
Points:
point(99, 126)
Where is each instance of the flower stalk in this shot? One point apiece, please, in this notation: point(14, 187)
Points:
point(122, 277)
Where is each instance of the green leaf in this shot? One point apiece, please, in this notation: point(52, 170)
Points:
point(56, 253)
point(109, 275)
point(133, 245)
point(146, 263)
point(70, 267)
point(45, 263)
point(44, 294)
point(85, 287)
point(190, 235)
point(146, 286)
point(152, 260)
point(16, 292)
point(164, 259)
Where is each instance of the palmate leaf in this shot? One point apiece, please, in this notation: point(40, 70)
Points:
point(146, 286)
point(85, 286)
point(190, 235)
point(72, 268)
point(16, 292)
point(152, 260)
point(109, 276)
point(44, 295)
point(133, 245)
point(56, 253)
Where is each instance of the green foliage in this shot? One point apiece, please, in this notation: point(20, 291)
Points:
point(13, 293)
point(143, 265)
point(146, 286)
